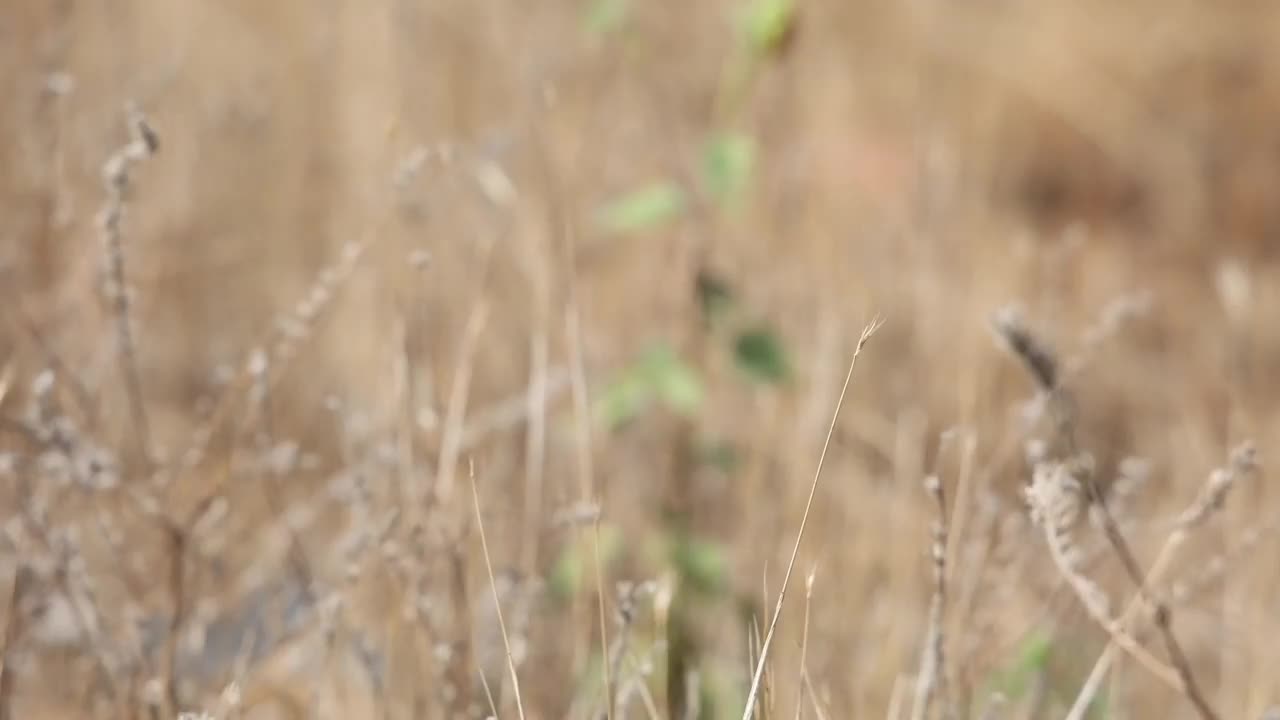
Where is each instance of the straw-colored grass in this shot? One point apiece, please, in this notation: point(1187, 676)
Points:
point(273, 275)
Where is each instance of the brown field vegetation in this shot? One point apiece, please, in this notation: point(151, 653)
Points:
point(324, 324)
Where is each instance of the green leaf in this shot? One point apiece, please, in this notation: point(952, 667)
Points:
point(624, 400)
point(643, 209)
point(759, 353)
point(674, 381)
point(702, 564)
point(766, 23)
point(715, 296)
point(605, 16)
point(727, 164)
point(681, 389)
point(659, 373)
point(655, 360)
point(721, 455)
point(1032, 658)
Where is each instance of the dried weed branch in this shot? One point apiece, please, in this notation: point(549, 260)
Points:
point(1243, 462)
point(1060, 480)
point(932, 678)
point(1056, 500)
point(116, 176)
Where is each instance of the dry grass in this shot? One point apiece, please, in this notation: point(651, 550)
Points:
point(273, 277)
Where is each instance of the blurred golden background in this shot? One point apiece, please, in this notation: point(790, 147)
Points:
point(609, 260)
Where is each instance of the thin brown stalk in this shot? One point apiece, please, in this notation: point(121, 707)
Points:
point(764, 707)
point(177, 592)
point(493, 586)
point(537, 269)
point(535, 448)
point(818, 710)
point(407, 390)
point(628, 595)
point(512, 412)
point(867, 332)
point(582, 412)
point(1217, 566)
point(12, 633)
point(563, 225)
point(6, 381)
point(753, 654)
point(463, 657)
point(179, 536)
point(766, 688)
point(804, 643)
point(450, 444)
point(646, 699)
point(488, 694)
point(963, 504)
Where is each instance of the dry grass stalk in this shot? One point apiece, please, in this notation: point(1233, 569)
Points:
point(804, 643)
point(514, 411)
point(450, 531)
point(764, 708)
point(768, 696)
point(13, 630)
point(179, 601)
point(752, 694)
point(629, 595)
point(1116, 315)
point(488, 694)
point(589, 495)
point(455, 414)
point(1217, 566)
point(932, 678)
point(963, 505)
point(814, 701)
point(535, 449)
point(493, 586)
